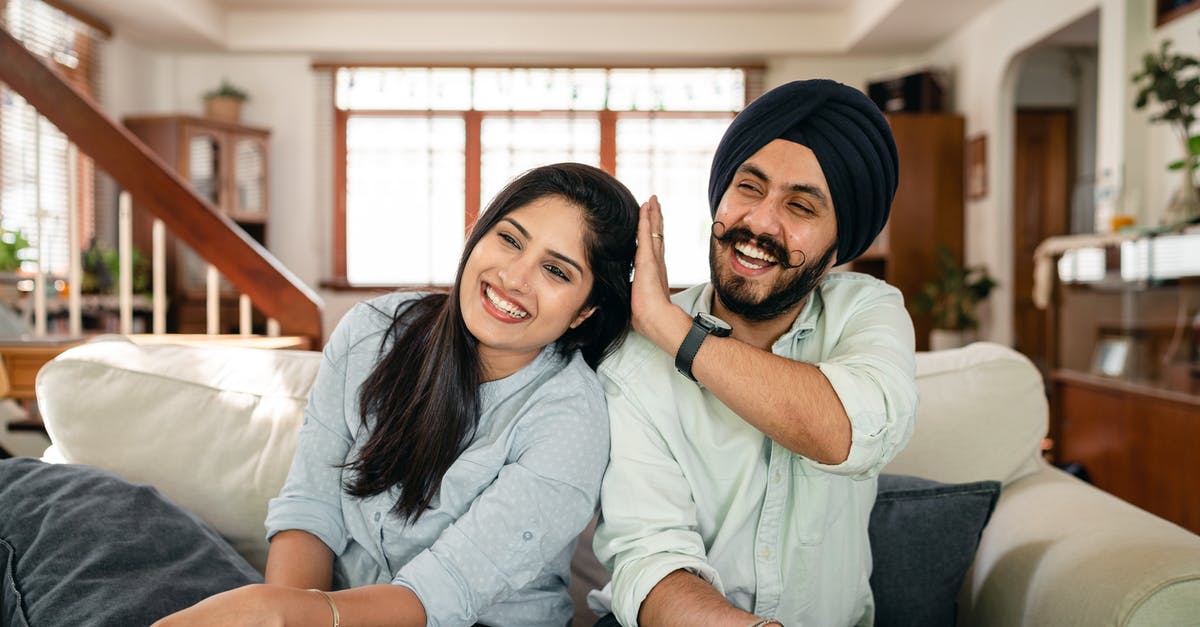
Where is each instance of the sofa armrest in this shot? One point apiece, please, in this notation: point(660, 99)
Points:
point(1060, 552)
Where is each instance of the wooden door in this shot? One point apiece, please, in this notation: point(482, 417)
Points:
point(1041, 209)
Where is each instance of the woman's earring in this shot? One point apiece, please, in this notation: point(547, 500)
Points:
point(714, 229)
point(803, 258)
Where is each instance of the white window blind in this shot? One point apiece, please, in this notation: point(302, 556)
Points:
point(36, 166)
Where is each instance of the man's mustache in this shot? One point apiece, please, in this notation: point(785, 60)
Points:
point(740, 234)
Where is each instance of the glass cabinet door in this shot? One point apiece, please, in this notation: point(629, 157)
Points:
point(204, 166)
point(249, 193)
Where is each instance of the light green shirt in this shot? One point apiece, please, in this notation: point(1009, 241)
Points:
point(690, 485)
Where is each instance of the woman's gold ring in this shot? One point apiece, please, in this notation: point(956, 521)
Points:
point(658, 235)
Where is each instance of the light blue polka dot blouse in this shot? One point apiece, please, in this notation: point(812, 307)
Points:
point(495, 546)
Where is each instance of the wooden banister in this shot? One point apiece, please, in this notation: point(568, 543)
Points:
point(249, 267)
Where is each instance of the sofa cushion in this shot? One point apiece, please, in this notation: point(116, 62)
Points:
point(982, 415)
point(79, 545)
point(213, 428)
point(923, 540)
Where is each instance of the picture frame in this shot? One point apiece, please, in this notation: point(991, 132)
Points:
point(1169, 10)
point(976, 175)
point(1112, 356)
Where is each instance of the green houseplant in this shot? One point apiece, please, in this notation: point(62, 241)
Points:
point(12, 247)
point(12, 244)
point(951, 298)
point(102, 266)
point(1173, 81)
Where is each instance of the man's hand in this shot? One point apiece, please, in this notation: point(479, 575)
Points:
point(654, 316)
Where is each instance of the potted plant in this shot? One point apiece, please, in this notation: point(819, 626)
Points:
point(1173, 80)
point(225, 102)
point(951, 298)
point(12, 247)
point(12, 244)
point(102, 266)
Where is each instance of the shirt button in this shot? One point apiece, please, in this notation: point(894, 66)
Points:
point(528, 535)
point(778, 476)
point(376, 516)
point(766, 553)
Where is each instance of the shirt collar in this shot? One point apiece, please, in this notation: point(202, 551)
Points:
point(492, 391)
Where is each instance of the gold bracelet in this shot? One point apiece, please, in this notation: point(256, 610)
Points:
point(337, 618)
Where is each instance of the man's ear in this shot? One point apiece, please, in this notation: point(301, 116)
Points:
point(583, 315)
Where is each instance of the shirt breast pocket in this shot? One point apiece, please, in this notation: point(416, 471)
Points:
point(813, 507)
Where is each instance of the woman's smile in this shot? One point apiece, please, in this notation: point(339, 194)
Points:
point(501, 305)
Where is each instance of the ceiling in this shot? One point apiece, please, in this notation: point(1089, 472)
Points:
point(570, 5)
point(563, 30)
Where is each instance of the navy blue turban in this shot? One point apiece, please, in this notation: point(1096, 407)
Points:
point(848, 134)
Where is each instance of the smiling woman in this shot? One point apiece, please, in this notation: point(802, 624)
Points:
point(473, 411)
point(451, 451)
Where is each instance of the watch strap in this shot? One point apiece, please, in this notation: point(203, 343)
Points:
point(688, 349)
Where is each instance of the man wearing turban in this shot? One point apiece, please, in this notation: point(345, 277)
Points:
point(752, 414)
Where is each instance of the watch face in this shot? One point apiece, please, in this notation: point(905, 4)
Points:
point(712, 322)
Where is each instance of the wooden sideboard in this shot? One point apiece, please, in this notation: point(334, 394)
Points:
point(1137, 441)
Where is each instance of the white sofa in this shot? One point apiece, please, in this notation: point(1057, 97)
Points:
point(213, 429)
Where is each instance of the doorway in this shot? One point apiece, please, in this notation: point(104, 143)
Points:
point(1042, 207)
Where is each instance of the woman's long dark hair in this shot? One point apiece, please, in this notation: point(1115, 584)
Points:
point(423, 394)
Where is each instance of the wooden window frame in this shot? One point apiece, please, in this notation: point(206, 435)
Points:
point(473, 119)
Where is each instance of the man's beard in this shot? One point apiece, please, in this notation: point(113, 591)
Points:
point(737, 294)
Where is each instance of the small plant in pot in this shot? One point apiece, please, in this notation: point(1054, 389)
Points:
point(225, 102)
point(1173, 81)
point(951, 298)
point(102, 267)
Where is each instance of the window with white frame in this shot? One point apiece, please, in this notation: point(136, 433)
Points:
point(419, 152)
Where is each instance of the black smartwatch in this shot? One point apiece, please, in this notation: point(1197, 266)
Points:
point(702, 325)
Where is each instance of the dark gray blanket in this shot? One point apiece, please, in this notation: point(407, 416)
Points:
point(81, 546)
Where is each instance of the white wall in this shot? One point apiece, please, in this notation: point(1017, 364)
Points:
point(283, 98)
point(853, 71)
point(983, 58)
point(1047, 80)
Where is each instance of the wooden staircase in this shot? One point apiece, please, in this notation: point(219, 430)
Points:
point(292, 308)
point(250, 268)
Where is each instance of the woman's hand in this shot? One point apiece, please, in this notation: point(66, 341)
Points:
point(256, 605)
point(654, 316)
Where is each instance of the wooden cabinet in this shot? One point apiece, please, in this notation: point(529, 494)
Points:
point(1136, 441)
point(927, 211)
point(225, 164)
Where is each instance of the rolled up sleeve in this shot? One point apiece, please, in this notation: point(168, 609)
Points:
point(538, 505)
point(648, 529)
point(310, 499)
point(872, 370)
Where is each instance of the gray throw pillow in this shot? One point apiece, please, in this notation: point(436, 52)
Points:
point(80, 545)
point(923, 539)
